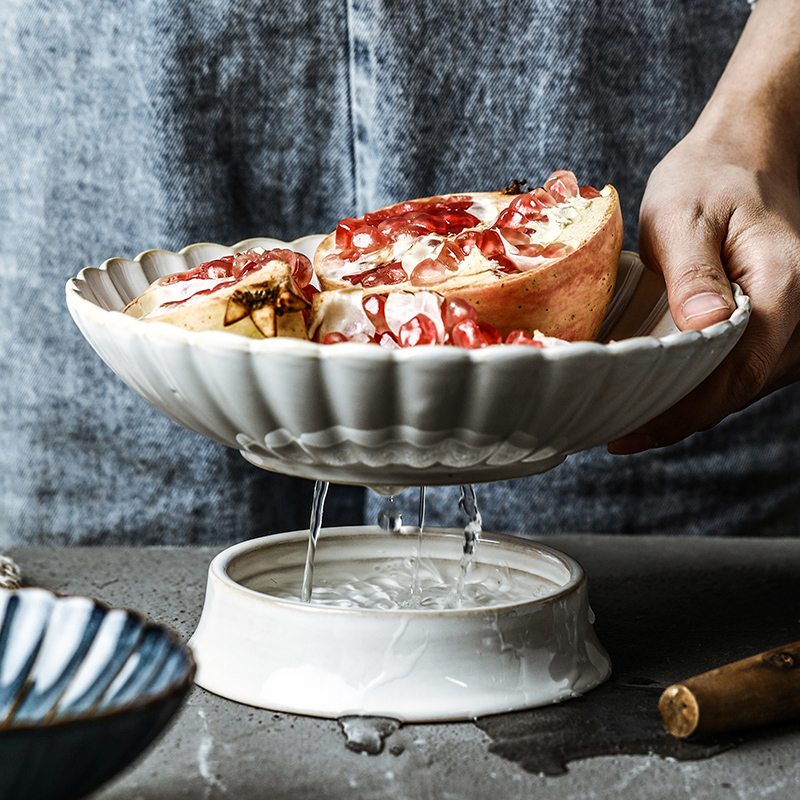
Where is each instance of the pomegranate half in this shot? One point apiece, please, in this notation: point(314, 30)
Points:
point(538, 260)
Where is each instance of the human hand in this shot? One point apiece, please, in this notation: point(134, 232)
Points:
point(724, 206)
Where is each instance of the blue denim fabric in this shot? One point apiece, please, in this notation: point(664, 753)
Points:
point(155, 123)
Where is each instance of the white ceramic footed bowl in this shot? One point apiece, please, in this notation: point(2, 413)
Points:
point(361, 413)
point(409, 664)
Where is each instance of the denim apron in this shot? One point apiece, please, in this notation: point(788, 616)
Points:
point(138, 124)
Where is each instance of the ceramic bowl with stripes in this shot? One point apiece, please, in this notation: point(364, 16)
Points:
point(84, 689)
point(361, 413)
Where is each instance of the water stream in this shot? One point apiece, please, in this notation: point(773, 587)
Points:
point(315, 524)
point(390, 519)
point(468, 503)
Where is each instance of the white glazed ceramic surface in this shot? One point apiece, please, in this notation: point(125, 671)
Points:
point(409, 664)
point(360, 413)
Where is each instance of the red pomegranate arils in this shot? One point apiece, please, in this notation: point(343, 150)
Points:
point(302, 271)
point(467, 334)
point(510, 218)
point(344, 232)
point(458, 219)
point(531, 250)
point(392, 211)
point(521, 337)
point(431, 222)
point(450, 255)
point(589, 192)
point(368, 239)
point(374, 306)
point(387, 339)
point(406, 229)
point(490, 333)
point(505, 264)
point(490, 244)
point(562, 184)
point(514, 236)
point(334, 337)
point(379, 276)
point(210, 270)
point(456, 311)
point(556, 250)
point(428, 272)
point(466, 240)
point(417, 331)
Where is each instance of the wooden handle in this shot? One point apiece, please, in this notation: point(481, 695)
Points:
point(755, 691)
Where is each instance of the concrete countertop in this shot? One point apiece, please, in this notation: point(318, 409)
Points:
point(667, 608)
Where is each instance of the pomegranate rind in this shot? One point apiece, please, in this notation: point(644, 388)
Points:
point(563, 297)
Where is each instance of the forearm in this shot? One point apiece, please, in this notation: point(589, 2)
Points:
point(756, 104)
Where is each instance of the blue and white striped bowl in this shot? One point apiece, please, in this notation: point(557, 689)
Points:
point(84, 688)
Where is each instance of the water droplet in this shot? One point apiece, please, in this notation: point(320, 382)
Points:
point(367, 734)
point(389, 518)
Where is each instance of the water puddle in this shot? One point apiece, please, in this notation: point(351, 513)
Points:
point(613, 719)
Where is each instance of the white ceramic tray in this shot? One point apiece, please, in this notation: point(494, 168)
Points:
point(411, 664)
point(360, 413)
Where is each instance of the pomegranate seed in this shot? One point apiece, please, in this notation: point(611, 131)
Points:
point(513, 236)
point(375, 308)
point(418, 330)
point(388, 339)
point(308, 292)
point(218, 269)
point(491, 244)
point(344, 232)
point(302, 271)
point(556, 250)
point(562, 184)
point(490, 334)
point(391, 224)
point(368, 239)
point(458, 219)
point(455, 202)
point(510, 218)
point(450, 255)
point(379, 276)
point(431, 222)
point(428, 272)
point(526, 204)
point(467, 240)
point(392, 211)
point(467, 334)
point(589, 192)
point(544, 197)
point(349, 254)
point(407, 229)
point(455, 311)
point(531, 250)
point(505, 264)
point(521, 337)
point(334, 337)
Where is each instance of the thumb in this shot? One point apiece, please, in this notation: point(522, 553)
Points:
point(687, 253)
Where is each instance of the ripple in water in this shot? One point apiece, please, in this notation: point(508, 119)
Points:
point(383, 584)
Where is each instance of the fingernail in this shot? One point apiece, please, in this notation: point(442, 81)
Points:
point(632, 443)
point(703, 304)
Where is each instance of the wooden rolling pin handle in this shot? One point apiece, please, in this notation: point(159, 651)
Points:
point(755, 691)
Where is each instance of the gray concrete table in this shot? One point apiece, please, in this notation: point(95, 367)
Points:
point(666, 609)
